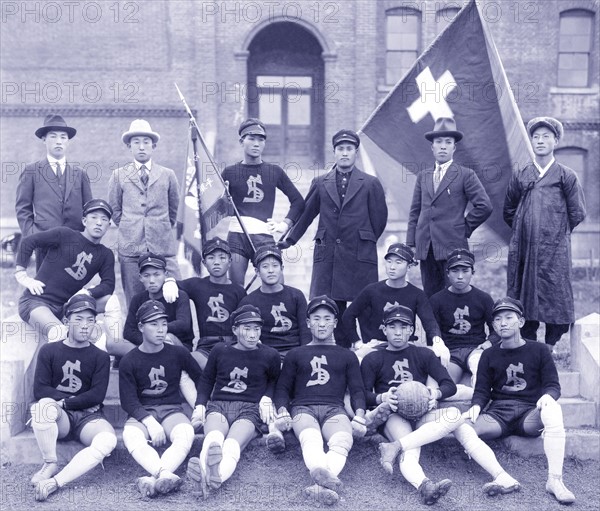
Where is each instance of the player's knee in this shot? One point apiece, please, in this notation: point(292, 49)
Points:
point(182, 433)
point(451, 418)
point(104, 443)
point(310, 436)
point(45, 411)
point(467, 437)
point(133, 438)
point(113, 307)
point(341, 442)
point(552, 417)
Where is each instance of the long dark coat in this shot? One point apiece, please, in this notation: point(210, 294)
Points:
point(542, 213)
point(345, 255)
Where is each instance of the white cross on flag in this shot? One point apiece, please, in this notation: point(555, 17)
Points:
point(461, 76)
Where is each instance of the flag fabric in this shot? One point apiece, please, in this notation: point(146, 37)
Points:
point(460, 75)
point(207, 217)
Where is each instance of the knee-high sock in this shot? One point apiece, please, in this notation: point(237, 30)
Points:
point(211, 437)
point(554, 438)
point(231, 457)
point(478, 450)
point(141, 451)
point(339, 445)
point(86, 459)
point(311, 443)
point(188, 389)
point(432, 431)
point(182, 437)
point(45, 429)
point(411, 468)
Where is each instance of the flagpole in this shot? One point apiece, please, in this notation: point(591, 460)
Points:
point(205, 147)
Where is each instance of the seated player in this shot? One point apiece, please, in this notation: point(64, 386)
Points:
point(313, 381)
point(149, 388)
point(239, 380)
point(283, 308)
point(462, 311)
point(70, 385)
point(383, 372)
point(517, 391)
point(369, 306)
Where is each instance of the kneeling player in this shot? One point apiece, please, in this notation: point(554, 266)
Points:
point(70, 383)
point(383, 371)
point(520, 382)
point(149, 388)
point(313, 380)
point(239, 379)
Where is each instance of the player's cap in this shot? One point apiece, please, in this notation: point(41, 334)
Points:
point(150, 259)
point(345, 136)
point(265, 251)
point(215, 244)
point(401, 250)
point(150, 310)
point(508, 304)
point(554, 125)
point(322, 301)
point(97, 204)
point(252, 127)
point(80, 302)
point(398, 313)
point(460, 257)
point(246, 314)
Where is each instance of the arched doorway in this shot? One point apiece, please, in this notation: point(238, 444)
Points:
point(286, 91)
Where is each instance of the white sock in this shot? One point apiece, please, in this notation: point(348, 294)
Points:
point(231, 457)
point(554, 438)
point(339, 445)
point(182, 437)
point(141, 451)
point(311, 443)
point(45, 429)
point(86, 459)
point(211, 437)
point(432, 431)
point(478, 450)
point(411, 468)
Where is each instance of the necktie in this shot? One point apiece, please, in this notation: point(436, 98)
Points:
point(144, 175)
point(437, 177)
point(58, 171)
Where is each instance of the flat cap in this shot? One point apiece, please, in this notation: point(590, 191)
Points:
point(554, 125)
point(150, 310)
point(401, 250)
point(265, 251)
point(398, 313)
point(246, 314)
point(508, 304)
point(345, 136)
point(150, 259)
point(322, 301)
point(460, 257)
point(80, 302)
point(97, 204)
point(215, 244)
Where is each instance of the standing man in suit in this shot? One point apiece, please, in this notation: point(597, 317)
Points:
point(144, 197)
point(437, 223)
point(51, 192)
point(352, 216)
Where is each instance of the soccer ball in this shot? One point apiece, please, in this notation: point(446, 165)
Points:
point(413, 400)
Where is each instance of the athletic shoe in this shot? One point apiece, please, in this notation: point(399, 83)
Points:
point(324, 477)
point(377, 417)
point(214, 455)
point(45, 488)
point(275, 442)
point(146, 486)
point(492, 489)
point(388, 452)
point(322, 495)
point(556, 487)
point(431, 492)
point(196, 474)
point(167, 482)
point(48, 471)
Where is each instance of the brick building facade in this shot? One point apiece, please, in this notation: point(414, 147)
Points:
point(307, 68)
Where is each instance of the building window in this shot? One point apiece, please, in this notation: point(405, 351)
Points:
point(443, 17)
point(403, 38)
point(574, 48)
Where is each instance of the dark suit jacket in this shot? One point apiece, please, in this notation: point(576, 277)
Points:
point(40, 205)
point(439, 219)
point(345, 255)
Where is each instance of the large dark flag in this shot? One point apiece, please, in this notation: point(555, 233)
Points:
point(205, 209)
point(460, 75)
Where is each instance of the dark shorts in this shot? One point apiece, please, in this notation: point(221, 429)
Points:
point(235, 411)
point(161, 412)
point(207, 343)
point(511, 415)
point(459, 356)
point(78, 419)
point(239, 244)
point(27, 303)
point(322, 413)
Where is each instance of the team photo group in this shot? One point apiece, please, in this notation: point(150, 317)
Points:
point(330, 367)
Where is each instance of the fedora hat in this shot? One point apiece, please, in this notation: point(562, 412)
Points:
point(140, 128)
point(444, 127)
point(55, 122)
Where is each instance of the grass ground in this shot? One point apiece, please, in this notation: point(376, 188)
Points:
point(265, 483)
